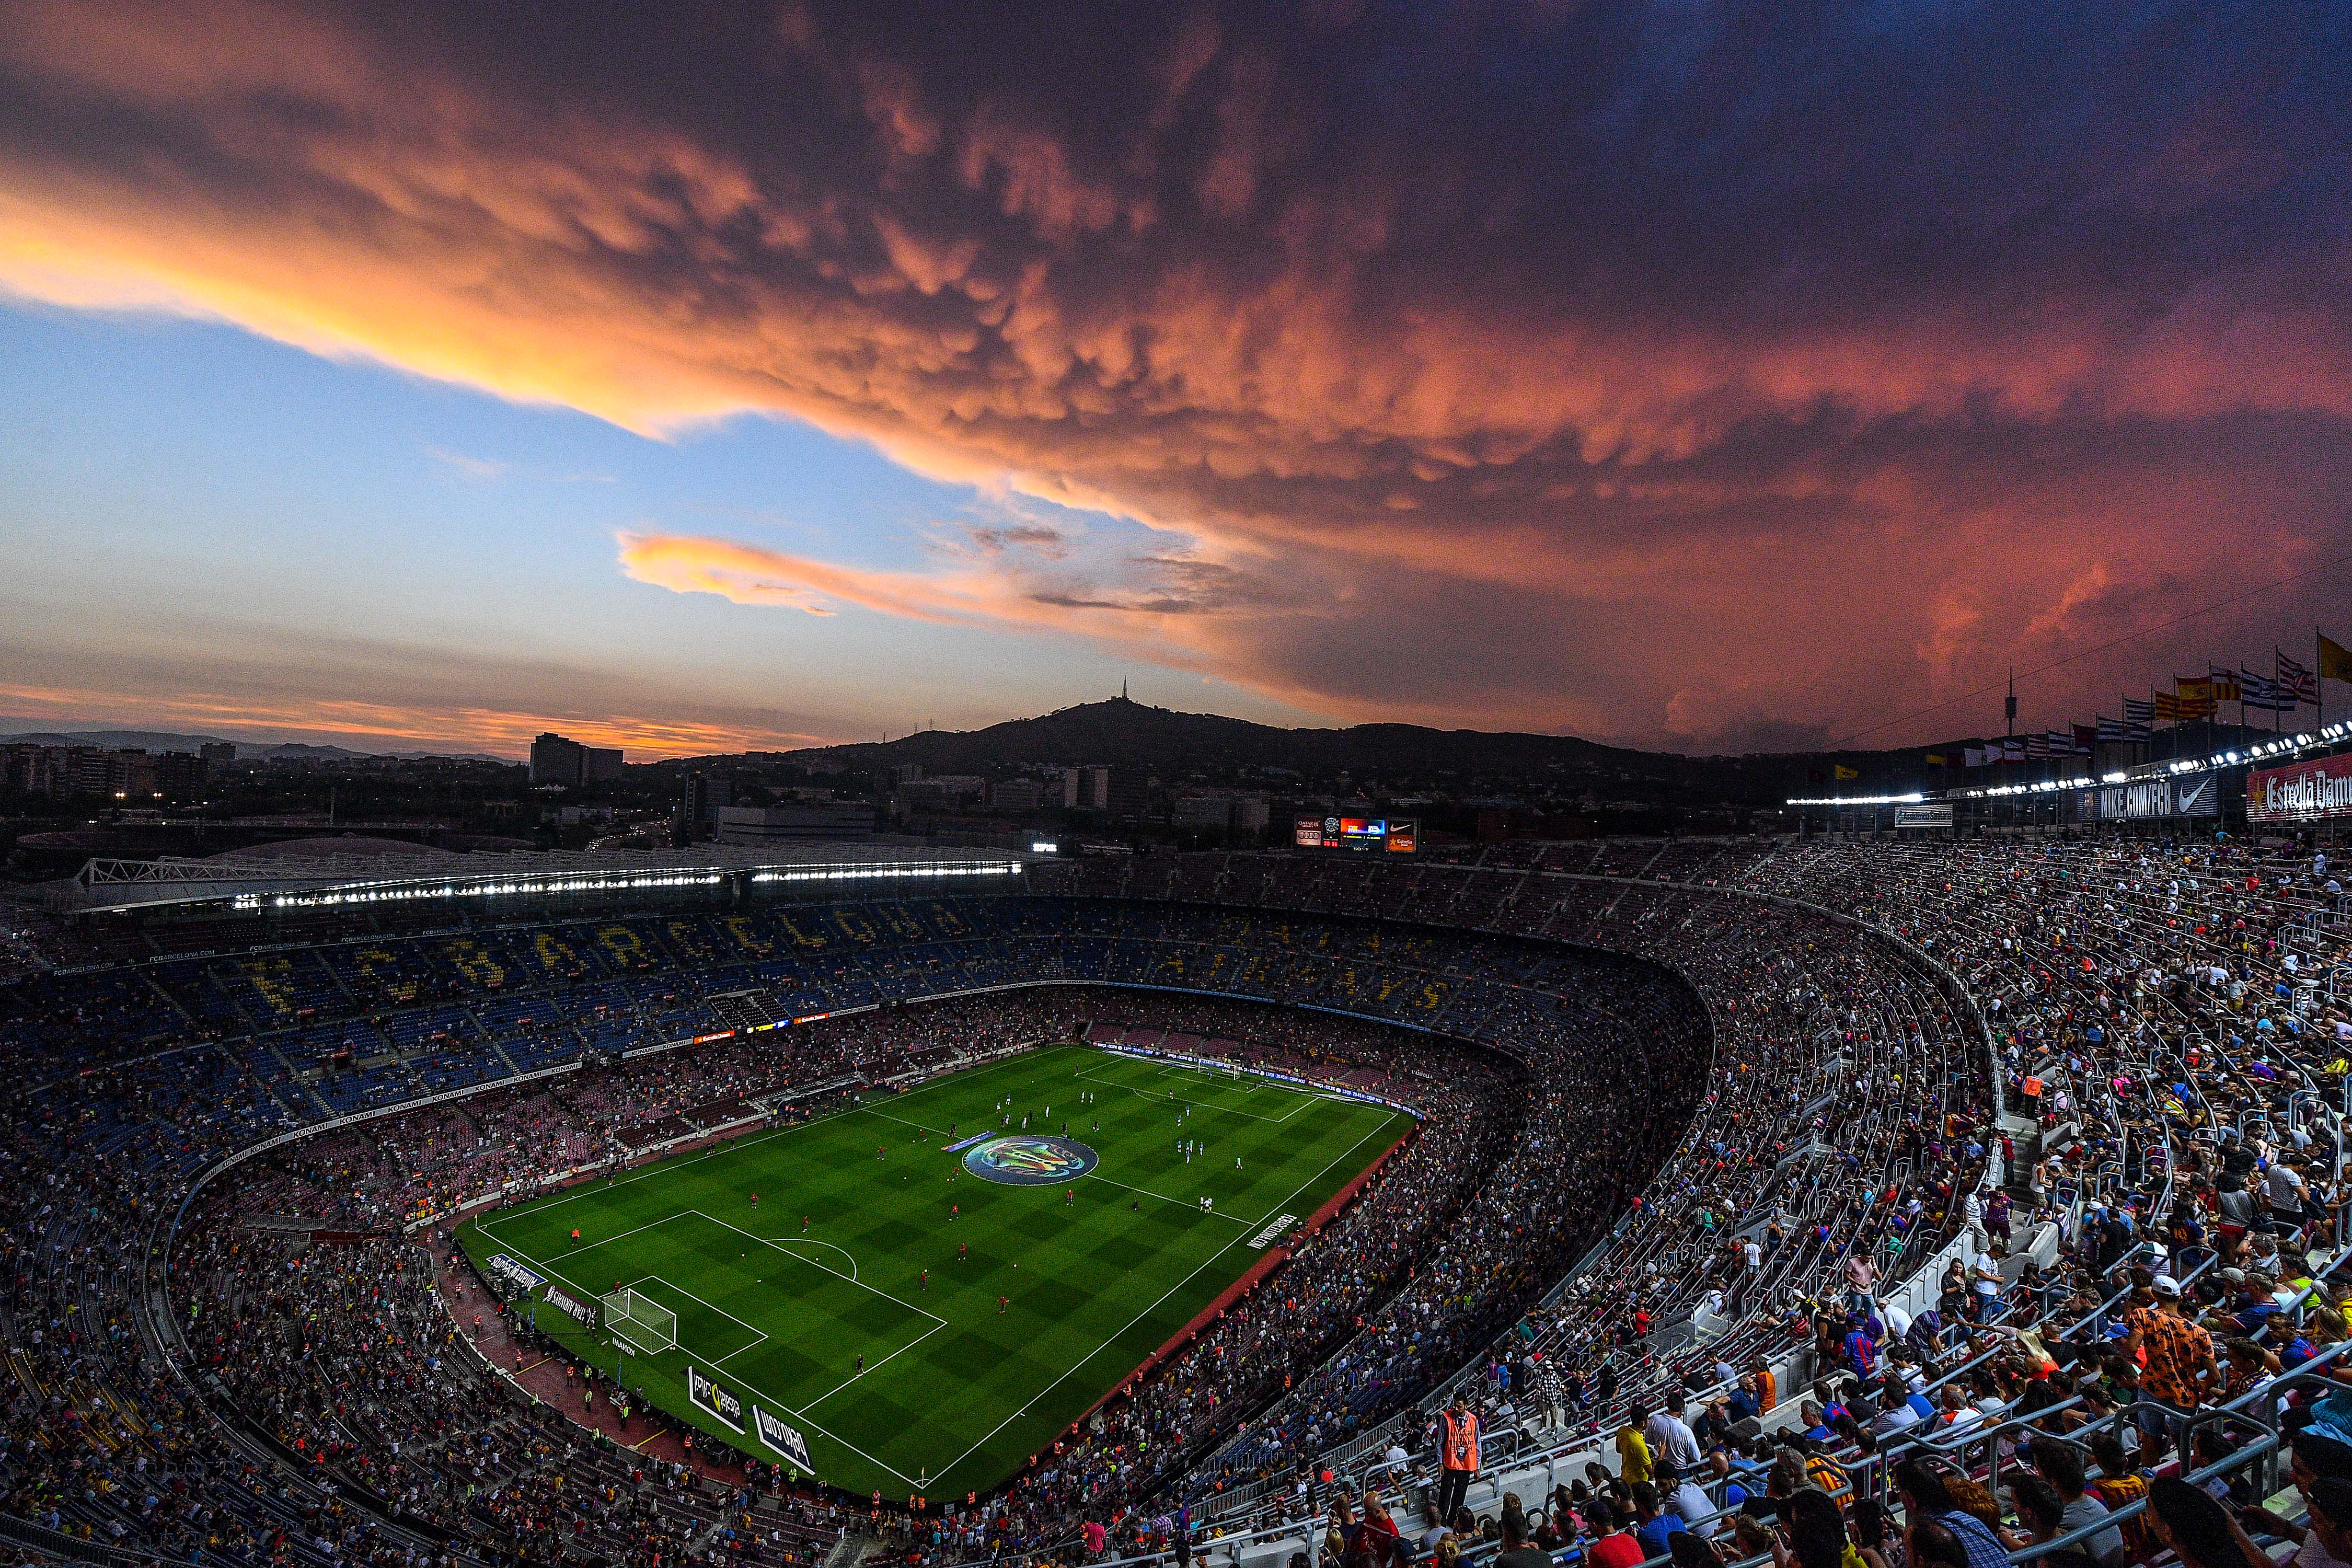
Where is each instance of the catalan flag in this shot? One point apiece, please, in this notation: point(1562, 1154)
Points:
point(2178, 710)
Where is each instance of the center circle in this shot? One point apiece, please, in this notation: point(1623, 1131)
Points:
point(1026, 1160)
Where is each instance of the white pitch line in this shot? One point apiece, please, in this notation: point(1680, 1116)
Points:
point(792, 1241)
point(1182, 1203)
point(796, 1414)
point(904, 1122)
point(711, 1306)
point(749, 1141)
point(751, 1388)
point(878, 1366)
point(1303, 1097)
point(588, 1246)
point(1147, 1311)
point(813, 1263)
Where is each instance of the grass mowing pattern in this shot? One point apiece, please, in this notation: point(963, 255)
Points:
point(954, 1394)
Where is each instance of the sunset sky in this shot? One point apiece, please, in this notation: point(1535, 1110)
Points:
point(707, 376)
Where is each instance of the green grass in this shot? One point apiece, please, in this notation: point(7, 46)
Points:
point(954, 1395)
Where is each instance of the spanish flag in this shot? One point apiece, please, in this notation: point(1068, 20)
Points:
point(2334, 660)
point(1844, 771)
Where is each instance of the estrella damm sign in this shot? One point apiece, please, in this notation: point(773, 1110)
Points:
point(1027, 1161)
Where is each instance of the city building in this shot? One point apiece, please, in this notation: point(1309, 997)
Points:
point(125, 774)
point(1016, 795)
point(1086, 789)
point(557, 761)
point(1219, 811)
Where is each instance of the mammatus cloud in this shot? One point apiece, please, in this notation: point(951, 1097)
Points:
point(1648, 370)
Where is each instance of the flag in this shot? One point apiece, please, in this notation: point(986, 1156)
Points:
point(2261, 691)
point(2334, 660)
point(1842, 770)
point(2139, 713)
point(2172, 710)
point(1937, 760)
point(1973, 756)
point(2222, 685)
point(2123, 730)
point(2193, 687)
point(2012, 749)
point(2037, 745)
point(2295, 679)
point(2086, 737)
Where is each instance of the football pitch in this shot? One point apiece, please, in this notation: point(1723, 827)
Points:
point(922, 1310)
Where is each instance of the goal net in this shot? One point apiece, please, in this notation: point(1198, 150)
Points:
point(642, 1323)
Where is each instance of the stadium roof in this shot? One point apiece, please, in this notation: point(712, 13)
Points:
point(277, 881)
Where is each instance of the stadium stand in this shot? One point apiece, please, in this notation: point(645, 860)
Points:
point(1906, 1172)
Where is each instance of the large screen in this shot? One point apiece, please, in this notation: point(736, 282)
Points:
point(1364, 835)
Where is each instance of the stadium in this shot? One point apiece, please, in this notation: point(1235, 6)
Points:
point(833, 784)
point(959, 1206)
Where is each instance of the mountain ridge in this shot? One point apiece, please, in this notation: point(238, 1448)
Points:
point(171, 741)
point(1119, 731)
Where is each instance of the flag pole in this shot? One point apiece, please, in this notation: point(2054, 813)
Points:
point(2318, 682)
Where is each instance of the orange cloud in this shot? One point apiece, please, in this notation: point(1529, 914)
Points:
point(1490, 401)
point(1183, 614)
point(390, 727)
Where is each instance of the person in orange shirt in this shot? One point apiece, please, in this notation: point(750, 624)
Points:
point(2178, 1367)
point(1457, 1455)
point(1767, 1390)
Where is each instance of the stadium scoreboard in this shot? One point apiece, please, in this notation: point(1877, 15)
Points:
point(1358, 834)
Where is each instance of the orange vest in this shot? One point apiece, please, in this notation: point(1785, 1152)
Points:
point(1460, 1451)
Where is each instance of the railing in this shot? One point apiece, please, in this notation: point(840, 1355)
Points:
point(57, 1544)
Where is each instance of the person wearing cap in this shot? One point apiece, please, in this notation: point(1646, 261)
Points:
point(2180, 1366)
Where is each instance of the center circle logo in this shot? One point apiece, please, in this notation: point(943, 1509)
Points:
point(1029, 1162)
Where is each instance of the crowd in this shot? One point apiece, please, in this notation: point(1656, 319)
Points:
point(2167, 1021)
point(1770, 1106)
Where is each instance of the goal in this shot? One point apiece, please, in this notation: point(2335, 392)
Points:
point(639, 1321)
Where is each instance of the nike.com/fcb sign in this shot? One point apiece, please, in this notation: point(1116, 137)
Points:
point(1023, 1161)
